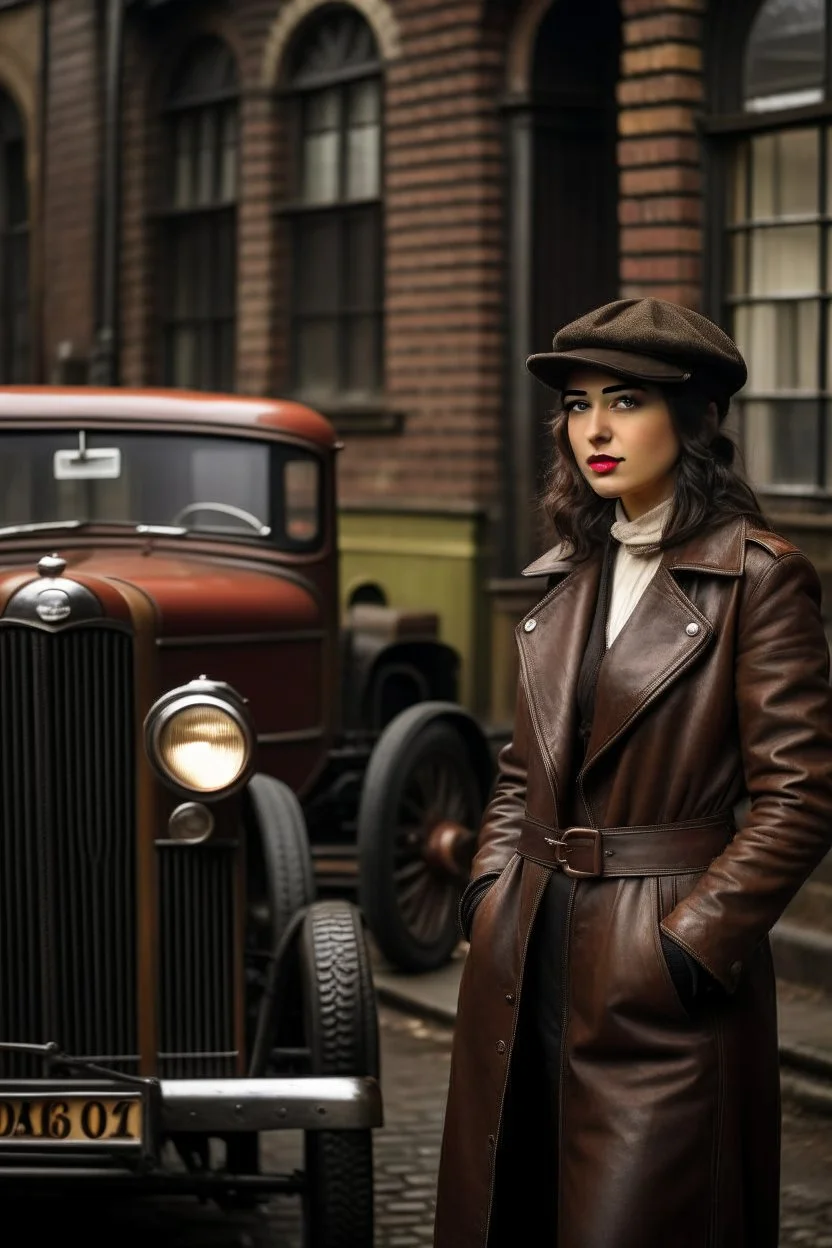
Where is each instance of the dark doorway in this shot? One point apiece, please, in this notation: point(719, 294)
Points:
point(575, 178)
point(14, 246)
point(564, 207)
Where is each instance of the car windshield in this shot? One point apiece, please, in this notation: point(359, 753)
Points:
point(256, 490)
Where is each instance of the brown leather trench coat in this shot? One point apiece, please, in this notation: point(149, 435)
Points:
point(715, 691)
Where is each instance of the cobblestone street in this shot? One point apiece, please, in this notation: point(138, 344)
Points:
point(415, 1059)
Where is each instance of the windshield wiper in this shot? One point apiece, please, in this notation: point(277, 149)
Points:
point(8, 529)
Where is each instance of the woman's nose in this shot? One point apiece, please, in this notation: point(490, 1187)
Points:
point(597, 429)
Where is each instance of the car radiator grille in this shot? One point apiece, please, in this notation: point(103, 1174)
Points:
point(67, 845)
point(196, 971)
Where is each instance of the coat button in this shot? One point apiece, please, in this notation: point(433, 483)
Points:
point(530, 626)
point(501, 1046)
point(692, 629)
point(510, 998)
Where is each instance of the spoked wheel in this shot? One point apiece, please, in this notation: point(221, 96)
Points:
point(420, 810)
point(341, 1032)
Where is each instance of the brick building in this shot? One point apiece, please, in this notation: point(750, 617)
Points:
point(382, 206)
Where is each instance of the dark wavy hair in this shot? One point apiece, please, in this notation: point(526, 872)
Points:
point(709, 489)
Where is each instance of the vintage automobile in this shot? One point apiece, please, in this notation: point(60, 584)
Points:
point(182, 715)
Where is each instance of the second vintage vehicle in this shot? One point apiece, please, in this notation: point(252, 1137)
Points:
point(182, 716)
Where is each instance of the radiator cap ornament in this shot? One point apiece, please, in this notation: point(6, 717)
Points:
point(52, 565)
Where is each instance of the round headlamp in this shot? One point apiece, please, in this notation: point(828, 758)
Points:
point(200, 738)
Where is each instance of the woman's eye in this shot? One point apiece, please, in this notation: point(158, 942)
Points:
point(627, 401)
point(578, 405)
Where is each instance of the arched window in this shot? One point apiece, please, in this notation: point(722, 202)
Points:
point(334, 218)
point(198, 304)
point(777, 258)
point(14, 242)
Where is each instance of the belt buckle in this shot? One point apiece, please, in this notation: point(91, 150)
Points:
point(570, 838)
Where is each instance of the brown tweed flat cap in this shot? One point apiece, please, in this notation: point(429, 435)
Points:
point(648, 340)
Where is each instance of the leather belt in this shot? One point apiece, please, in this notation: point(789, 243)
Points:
point(658, 849)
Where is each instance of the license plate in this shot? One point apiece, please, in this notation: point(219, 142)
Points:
point(72, 1118)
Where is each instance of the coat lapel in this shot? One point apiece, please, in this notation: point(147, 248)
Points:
point(663, 637)
point(550, 659)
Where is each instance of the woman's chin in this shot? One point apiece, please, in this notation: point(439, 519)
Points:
point(605, 487)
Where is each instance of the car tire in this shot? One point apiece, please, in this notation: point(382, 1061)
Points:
point(341, 1032)
point(411, 910)
point(279, 819)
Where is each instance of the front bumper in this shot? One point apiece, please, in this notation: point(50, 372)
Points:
point(217, 1107)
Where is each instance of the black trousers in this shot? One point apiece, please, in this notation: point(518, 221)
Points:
point(525, 1192)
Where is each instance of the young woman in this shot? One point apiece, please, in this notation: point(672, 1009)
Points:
point(615, 1070)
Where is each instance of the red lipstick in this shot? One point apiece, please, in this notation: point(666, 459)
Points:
point(602, 464)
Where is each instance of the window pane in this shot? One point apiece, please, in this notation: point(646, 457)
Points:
point(223, 265)
point(183, 360)
point(207, 157)
point(781, 441)
point(321, 147)
point(780, 344)
point(365, 103)
point(362, 355)
point(784, 55)
point(317, 285)
point(739, 244)
point(363, 260)
point(15, 189)
point(363, 162)
point(317, 355)
point(320, 168)
point(300, 493)
point(798, 172)
point(183, 174)
point(228, 158)
point(763, 176)
point(181, 253)
point(785, 261)
point(737, 209)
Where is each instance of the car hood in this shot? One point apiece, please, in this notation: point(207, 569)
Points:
point(192, 596)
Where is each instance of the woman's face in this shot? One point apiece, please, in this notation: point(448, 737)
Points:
point(622, 437)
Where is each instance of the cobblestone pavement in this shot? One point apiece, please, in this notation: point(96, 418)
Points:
point(415, 1059)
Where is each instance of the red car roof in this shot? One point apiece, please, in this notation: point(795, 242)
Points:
point(187, 407)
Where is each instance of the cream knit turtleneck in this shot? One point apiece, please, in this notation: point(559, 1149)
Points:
point(636, 561)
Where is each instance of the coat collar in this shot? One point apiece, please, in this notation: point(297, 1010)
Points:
point(720, 551)
point(663, 638)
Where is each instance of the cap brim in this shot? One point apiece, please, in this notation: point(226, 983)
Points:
point(553, 367)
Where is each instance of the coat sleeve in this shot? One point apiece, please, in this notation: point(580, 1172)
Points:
point(501, 823)
point(784, 708)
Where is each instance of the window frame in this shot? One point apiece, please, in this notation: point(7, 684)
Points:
point(369, 411)
point(723, 129)
point(170, 216)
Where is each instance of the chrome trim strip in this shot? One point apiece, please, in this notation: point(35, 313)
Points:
point(306, 1103)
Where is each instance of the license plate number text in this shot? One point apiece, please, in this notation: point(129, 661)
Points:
point(68, 1118)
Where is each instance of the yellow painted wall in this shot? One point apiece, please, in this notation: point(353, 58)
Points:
point(432, 562)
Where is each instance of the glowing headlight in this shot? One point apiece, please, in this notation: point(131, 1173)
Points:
point(200, 737)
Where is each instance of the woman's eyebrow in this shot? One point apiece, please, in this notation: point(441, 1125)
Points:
point(566, 392)
point(615, 389)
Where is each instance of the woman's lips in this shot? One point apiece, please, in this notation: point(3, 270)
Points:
point(603, 465)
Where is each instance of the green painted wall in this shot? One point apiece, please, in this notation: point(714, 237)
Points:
point(432, 562)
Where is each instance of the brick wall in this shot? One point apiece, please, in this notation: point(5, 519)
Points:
point(660, 94)
point(445, 257)
point(73, 141)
